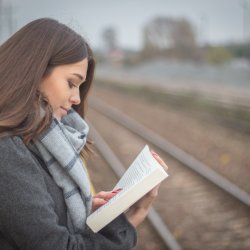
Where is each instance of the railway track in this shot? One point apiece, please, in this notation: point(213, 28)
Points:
point(116, 165)
point(200, 215)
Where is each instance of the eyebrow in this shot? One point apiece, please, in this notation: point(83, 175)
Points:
point(79, 76)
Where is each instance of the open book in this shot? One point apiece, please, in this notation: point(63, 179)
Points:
point(142, 176)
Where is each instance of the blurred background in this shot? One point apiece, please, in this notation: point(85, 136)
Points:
point(182, 69)
point(194, 46)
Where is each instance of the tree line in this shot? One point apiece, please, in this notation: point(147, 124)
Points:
point(176, 38)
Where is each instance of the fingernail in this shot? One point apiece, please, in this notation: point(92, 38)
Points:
point(117, 190)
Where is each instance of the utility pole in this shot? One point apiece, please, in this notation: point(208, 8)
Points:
point(1, 20)
point(9, 14)
point(6, 21)
point(244, 6)
point(245, 37)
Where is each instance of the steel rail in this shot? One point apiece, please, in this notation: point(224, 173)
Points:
point(119, 169)
point(169, 148)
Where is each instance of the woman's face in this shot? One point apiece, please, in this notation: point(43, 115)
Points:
point(61, 86)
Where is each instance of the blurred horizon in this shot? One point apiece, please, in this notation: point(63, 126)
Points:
point(199, 44)
point(214, 22)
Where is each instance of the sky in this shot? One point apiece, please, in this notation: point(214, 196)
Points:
point(215, 21)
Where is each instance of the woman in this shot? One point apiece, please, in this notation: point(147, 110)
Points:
point(46, 71)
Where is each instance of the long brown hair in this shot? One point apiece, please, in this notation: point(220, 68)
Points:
point(25, 58)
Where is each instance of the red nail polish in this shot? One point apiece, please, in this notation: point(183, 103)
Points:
point(117, 190)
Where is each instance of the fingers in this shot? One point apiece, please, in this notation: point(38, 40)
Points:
point(146, 201)
point(99, 202)
point(158, 158)
point(106, 195)
point(151, 195)
point(137, 213)
point(154, 192)
point(102, 198)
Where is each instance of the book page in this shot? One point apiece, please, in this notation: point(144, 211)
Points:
point(142, 166)
point(143, 174)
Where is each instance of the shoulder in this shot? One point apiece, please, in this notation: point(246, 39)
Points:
point(20, 174)
point(14, 154)
point(10, 144)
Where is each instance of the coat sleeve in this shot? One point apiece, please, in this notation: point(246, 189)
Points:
point(27, 216)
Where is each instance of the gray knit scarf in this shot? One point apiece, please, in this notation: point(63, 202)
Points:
point(60, 147)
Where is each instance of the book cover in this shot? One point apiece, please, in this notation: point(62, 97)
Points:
point(142, 176)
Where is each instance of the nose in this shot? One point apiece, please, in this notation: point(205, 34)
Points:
point(75, 98)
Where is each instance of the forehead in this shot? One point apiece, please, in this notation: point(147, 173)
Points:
point(78, 67)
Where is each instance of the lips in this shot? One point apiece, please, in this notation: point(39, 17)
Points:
point(66, 110)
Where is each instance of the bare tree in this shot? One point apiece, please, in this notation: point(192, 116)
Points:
point(157, 33)
point(184, 39)
point(170, 37)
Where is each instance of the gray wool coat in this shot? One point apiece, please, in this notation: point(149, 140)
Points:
point(33, 212)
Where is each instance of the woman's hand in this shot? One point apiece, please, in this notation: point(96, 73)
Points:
point(159, 159)
point(137, 213)
point(102, 198)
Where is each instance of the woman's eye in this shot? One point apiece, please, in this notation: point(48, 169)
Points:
point(71, 84)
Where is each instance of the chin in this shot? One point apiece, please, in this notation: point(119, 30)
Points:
point(58, 117)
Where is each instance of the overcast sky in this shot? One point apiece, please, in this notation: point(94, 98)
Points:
point(216, 20)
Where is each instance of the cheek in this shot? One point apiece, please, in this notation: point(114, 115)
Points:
point(53, 90)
